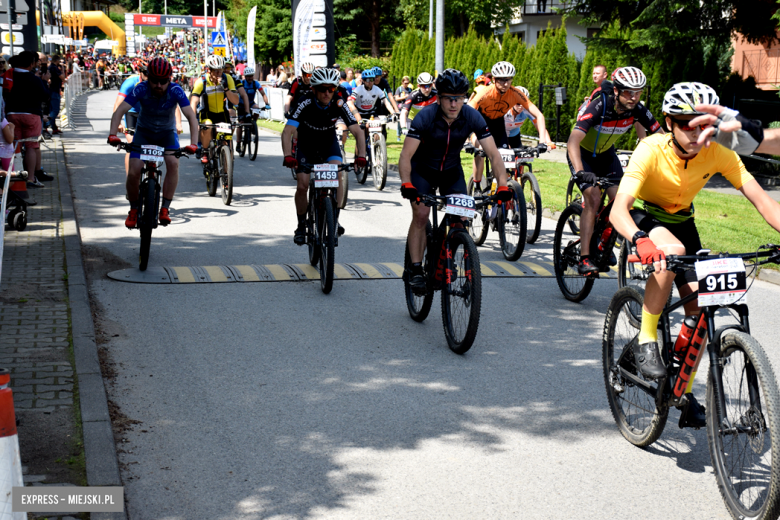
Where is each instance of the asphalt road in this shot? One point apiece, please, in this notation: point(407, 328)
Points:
point(273, 400)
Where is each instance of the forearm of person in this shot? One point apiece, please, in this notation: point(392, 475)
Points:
point(771, 142)
point(573, 146)
point(287, 134)
point(621, 218)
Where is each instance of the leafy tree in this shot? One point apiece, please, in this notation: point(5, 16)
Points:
point(273, 27)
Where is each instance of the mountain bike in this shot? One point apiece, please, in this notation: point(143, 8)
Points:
point(376, 146)
point(219, 168)
point(573, 193)
point(149, 192)
point(451, 265)
point(524, 174)
point(344, 174)
point(742, 400)
point(566, 248)
point(509, 220)
point(249, 138)
point(321, 218)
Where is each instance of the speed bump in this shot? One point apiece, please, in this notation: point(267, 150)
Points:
point(306, 272)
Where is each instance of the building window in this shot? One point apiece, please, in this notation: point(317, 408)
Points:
point(521, 34)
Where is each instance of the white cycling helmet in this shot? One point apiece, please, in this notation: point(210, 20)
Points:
point(682, 98)
point(325, 77)
point(425, 79)
point(249, 71)
point(307, 67)
point(215, 62)
point(629, 78)
point(525, 91)
point(503, 69)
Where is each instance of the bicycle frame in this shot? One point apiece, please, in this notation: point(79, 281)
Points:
point(601, 225)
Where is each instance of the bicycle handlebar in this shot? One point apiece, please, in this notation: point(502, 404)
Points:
point(432, 200)
point(132, 147)
point(309, 167)
point(685, 262)
point(517, 151)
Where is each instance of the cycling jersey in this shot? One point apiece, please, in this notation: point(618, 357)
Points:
point(441, 142)
point(603, 125)
point(367, 101)
point(656, 174)
point(127, 87)
point(251, 89)
point(297, 89)
point(512, 122)
point(316, 122)
point(416, 101)
point(492, 104)
point(215, 94)
point(157, 114)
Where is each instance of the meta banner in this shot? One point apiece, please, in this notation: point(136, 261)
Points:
point(161, 20)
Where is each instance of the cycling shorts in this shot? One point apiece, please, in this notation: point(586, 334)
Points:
point(427, 180)
point(497, 129)
point(514, 141)
point(131, 119)
point(169, 139)
point(685, 231)
point(606, 164)
point(214, 117)
point(319, 154)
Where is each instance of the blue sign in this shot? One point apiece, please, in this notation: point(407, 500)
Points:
point(218, 39)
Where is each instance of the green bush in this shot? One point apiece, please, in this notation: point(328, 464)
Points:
point(365, 62)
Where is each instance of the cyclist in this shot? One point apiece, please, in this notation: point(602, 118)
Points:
point(299, 86)
point(380, 81)
point(366, 99)
point(443, 127)
point(244, 101)
point(420, 97)
point(251, 87)
point(100, 68)
point(215, 87)
point(515, 118)
point(654, 205)
point(591, 151)
point(314, 118)
point(494, 101)
point(158, 99)
point(132, 115)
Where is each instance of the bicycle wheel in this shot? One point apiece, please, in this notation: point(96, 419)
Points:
point(638, 416)
point(478, 229)
point(211, 179)
point(242, 144)
point(573, 195)
point(380, 163)
point(226, 174)
point(342, 202)
point(147, 221)
point(418, 306)
point(253, 144)
point(461, 297)
point(743, 447)
point(515, 226)
point(533, 205)
point(327, 232)
point(566, 256)
point(312, 225)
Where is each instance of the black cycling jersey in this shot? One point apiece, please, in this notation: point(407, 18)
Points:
point(297, 89)
point(416, 100)
point(603, 125)
point(317, 123)
point(441, 143)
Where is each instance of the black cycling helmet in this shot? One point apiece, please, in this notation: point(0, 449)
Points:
point(452, 81)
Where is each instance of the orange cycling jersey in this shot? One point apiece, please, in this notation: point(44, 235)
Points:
point(492, 104)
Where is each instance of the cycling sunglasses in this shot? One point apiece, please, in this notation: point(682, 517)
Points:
point(159, 81)
point(685, 126)
point(322, 89)
point(429, 85)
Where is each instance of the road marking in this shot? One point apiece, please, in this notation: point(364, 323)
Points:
point(306, 272)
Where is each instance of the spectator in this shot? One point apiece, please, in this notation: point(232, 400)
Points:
point(404, 89)
point(271, 77)
point(350, 74)
point(23, 109)
point(6, 144)
point(282, 82)
point(345, 83)
point(55, 86)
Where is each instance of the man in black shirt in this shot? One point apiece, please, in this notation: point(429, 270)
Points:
point(55, 85)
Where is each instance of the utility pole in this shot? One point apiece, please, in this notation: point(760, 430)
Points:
point(439, 62)
point(140, 27)
point(166, 8)
point(205, 25)
point(430, 20)
point(11, 21)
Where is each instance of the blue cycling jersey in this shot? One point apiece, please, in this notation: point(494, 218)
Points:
point(157, 113)
point(251, 89)
point(127, 87)
point(518, 120)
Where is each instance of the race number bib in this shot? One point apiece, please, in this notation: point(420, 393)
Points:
point(526, 157)
point(722, 281)
point(624, 160)
point(325, 175)
point(256, 111)
point(150, 152)
point(460, 205)
point(374, 127)
point(224, 128)
point(508, 156)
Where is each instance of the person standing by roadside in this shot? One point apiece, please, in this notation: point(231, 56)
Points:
point(403, 90)
point(55, 85)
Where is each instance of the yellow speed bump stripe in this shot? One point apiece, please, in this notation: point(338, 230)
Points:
point(306, 272)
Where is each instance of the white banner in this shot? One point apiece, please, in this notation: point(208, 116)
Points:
point(250, 37)
point(301, 33)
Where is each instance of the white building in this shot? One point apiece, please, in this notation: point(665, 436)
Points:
point(531, 20)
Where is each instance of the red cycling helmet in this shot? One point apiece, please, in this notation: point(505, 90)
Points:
point(159, 68)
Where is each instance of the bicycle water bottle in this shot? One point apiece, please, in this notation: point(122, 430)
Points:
point(684, 339)
point(493, 187)
point(605, 237)
point(691, 360)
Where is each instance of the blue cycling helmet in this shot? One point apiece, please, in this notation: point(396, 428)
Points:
point(368, 74)
point(478, 73)
point(378, 72)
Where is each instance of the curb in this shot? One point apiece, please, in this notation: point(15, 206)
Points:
point(99, 449)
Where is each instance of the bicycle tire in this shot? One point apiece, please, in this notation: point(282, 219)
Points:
point(639, 417)
point(515, 227)
point(342, 202)
point(419, 306)
point(147, 219)
point(533, 204)
point(479, 227)
point(573, 194)
point(327, 245)
point(226, 174)
point(574, 286)
point(242, 144)
point(461, 322)
point(379, 171)
point(750, 373)
point(211, 180)
point(311, 233)
point(254, 143)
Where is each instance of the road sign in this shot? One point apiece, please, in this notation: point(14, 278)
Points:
point(220, 51)
point(4, 26)
point(21, 6)
point(21, 18)
point(218, 39)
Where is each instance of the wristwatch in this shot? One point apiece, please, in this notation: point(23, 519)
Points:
point(639, 234)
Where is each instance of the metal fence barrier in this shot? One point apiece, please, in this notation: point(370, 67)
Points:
point(75, 86)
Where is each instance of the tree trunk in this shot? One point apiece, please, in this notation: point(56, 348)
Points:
point(374, 21)
point(462, 19)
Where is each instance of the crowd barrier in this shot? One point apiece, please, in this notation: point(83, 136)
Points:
point(74, 87)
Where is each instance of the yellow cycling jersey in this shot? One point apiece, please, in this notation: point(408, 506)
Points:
point(657, 175)
point(215, 94)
